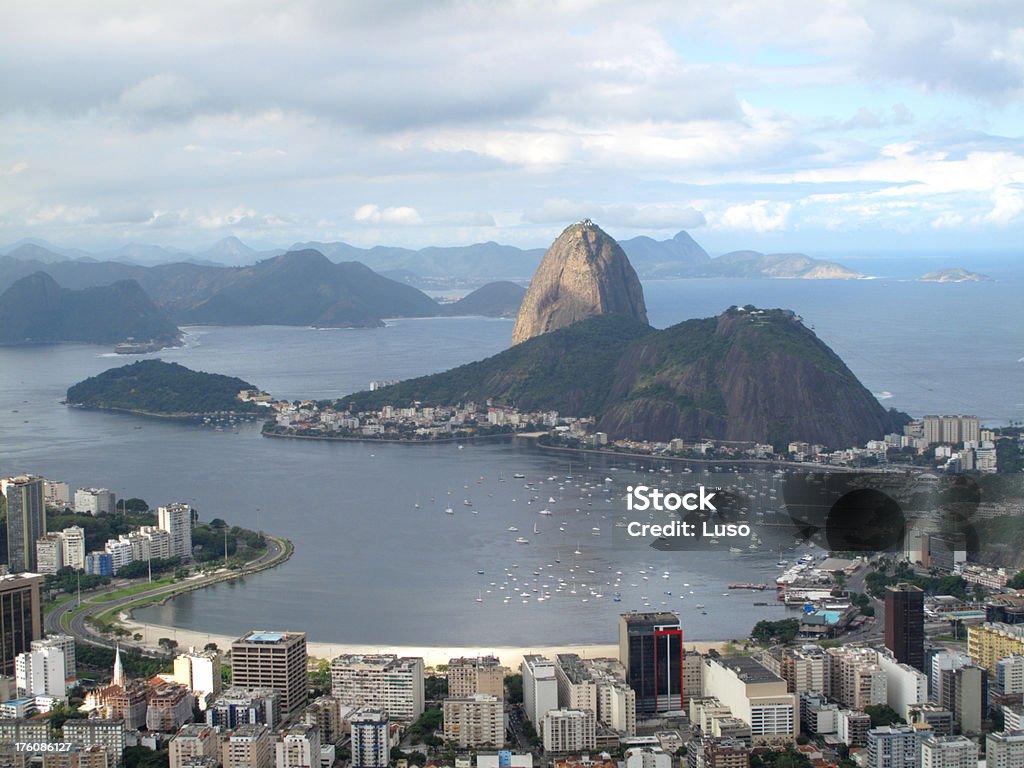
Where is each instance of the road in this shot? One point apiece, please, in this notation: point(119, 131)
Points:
point(55, 623)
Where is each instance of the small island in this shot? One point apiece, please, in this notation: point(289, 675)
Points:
point(954, 275)
point(168, 390)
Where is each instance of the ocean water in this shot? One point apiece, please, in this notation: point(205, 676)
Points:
point(373, 567)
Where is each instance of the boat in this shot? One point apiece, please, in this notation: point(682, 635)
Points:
point(544, 512)
point(518, 475)
point(449, 511)
point(522, 540)
point(480, 597)
point(735, 550)
point(535, 531)
point(512, 529)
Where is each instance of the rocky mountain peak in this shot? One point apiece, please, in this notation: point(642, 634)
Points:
point(584, 273)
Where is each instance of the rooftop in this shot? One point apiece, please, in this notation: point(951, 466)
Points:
point(748, 670)
point(263, 637)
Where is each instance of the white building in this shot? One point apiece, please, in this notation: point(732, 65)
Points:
point(893, 746)
point(94, 501)
point(199, 671)
point(569, 730)
point(371, 738)
point(1005, 750)
point(159, 541)
point(49, 553)
point(57, 493)
point(73, 547)
point(120, 553)
point(540, 689)
point(754, 695)
point(386, 682)
point(299, 747)
point(1009, 677)
point(944, 660)
point(905, 686)
point(647, 757)
point(597, 684)
point(949, 752)
point(176, 519)
point(64, 643)
point(40, 673)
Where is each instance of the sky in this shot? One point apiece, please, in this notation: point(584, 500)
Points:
point(849, 127)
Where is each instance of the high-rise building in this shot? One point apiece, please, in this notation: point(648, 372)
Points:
point(965, 694)
point(94, 501)
point(852, 727)
point(275, 660)
point(248, 746)
point(651, 650)
point(1005, 750)
point(989, 642)
point(370, 738)
point(241, 706)
point(905, 686)
point(756, 696)
point(73, 547)
point(176, 519)
point(199, 671)
point(387, 682)
point(904, 624)
point(168, 707)
point(40, 672)
point(569, 730)
point(193, 741)
point(49, 554)
point(66, 644)
point(949, 752)
point(477, 720)
point(21, 617)
point(540, 688)
point(893, 746)
point(108, 734)
point(325, 713)
point(598, 685)
point(299, 747)
point(1009, 675)
point(26, 520)
point(483, 674)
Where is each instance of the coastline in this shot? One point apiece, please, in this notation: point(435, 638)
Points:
point(432, 656)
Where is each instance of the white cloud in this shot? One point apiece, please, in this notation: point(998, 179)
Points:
point(1007, 207)
point(399, 216)
point(650, 216)
point(759, 216)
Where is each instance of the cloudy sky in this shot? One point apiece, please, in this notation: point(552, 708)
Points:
point(824, 126)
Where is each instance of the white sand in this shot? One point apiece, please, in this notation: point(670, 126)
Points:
point(432, 655)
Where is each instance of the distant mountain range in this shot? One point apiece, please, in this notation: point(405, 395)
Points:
point(679, 256)
point(35, 309)
point(954, 275)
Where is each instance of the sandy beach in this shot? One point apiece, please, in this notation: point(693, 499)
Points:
point(432, 655)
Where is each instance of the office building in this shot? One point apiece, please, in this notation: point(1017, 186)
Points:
point(370, 738)
point(482, 674)
point(477, 720)
point(904, 624)
point(275, 660)
point(108, 734)
point(176, 519)
point(199, 671)
point(299, 747)
point(569, 730)
point(949, 752)
point(49, 554)
point(21, 618)
point(94, 501)
point(651, 650)
point(540, 688)
point(755, 696)
point(40, 673)
point(26, 520)
point(248, 746)
point(193, 741)
point(893, 746)
point(598, 685)
point(386, 682)
point(73, 547)
point(1005, 750)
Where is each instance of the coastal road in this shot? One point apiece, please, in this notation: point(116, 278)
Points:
point(57, 621)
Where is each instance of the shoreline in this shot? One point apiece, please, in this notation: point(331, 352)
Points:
point(432, 655)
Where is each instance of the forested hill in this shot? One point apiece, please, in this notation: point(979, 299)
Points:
point(165, 389)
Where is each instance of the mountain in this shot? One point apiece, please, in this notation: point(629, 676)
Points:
point(748, 375)
point(679, 257)
point(753, 264)
point(165, 389)
point(36, 309)
point(954, 275)
point(500, 299)
point(584, 273)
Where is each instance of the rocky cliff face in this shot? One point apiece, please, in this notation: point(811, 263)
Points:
point(583, 274)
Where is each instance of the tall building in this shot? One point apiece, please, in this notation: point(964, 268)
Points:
point(483, 674)
point(49, 554)
point(275, 660)
point(73, 547)
point(949, 752)
point(193, 741)
point(299, 747)
point(477, 720)
point(904, 624)
point(989, 642)
point(965, 694)
point(168, 707)
point(325, 713)
point(40, 673)
point(569, 730)
point(241, 706)
point(199, 671)
point(248, 746)
point(651, 650)
point(943, 660)
point(1005, 750)
point(370, 738)
point(756, 696)
point(26, 520)
point(387, 682)
point(540, 688)
point(66, 644)
point(1009, 676)
point(176, 519)
point(108, 734)
point(94, 501)
point(21, 617)
point(905, 685)
point(893, 746)
point(598, 685)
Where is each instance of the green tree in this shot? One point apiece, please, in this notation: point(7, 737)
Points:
point(514, 687)
point(882, 714)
